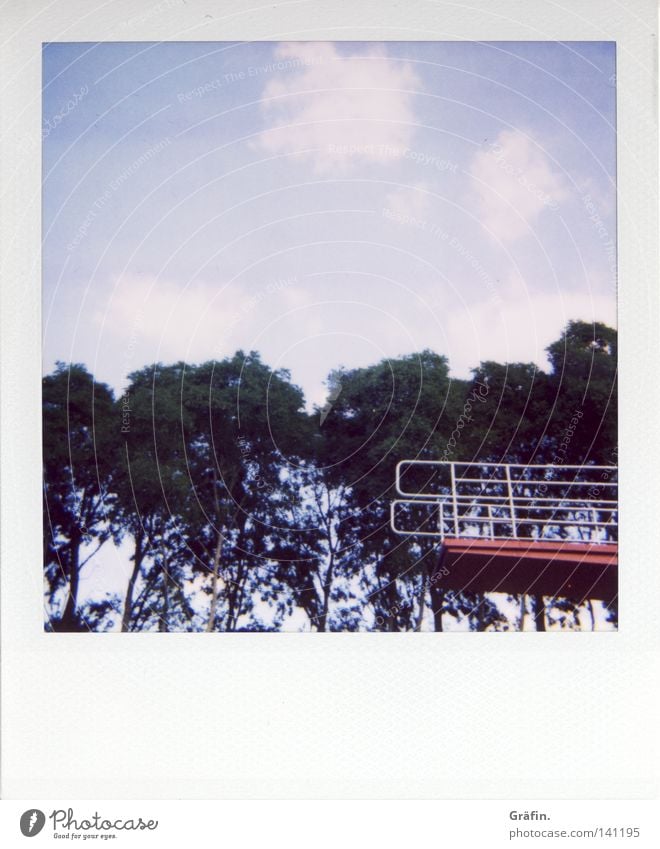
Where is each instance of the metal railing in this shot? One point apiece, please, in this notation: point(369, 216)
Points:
point(506, 500)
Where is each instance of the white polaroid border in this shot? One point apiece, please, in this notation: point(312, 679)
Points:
point(329, 715)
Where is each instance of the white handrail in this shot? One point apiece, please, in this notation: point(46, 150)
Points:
point(498, 505)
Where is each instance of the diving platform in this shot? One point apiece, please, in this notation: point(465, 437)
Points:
point(513, 528)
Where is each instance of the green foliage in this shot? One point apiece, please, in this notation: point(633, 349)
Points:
point(242, 510)
point(80, 471)
point(584, 378)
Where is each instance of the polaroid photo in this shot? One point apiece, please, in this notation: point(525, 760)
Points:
point(329, 343)
point(313, 330)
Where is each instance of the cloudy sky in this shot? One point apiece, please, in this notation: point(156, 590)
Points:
point(324, 204)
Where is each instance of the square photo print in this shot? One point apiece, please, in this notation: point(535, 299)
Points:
point(329, 336)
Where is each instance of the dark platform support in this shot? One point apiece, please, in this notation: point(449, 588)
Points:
point(564, 569)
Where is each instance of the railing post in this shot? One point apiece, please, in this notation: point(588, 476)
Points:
point(454, 499)
point(594, 519)
point(512, 507)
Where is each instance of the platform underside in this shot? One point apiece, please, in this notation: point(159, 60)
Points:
point(577, 571)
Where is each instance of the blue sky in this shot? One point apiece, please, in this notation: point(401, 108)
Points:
point(325, 203)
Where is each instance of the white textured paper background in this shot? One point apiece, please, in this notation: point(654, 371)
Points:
point(329, 715)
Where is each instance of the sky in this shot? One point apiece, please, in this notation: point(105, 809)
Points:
point(326, 204)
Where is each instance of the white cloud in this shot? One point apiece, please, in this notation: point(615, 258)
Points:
point(313, 325)
point(338, 111)
point(151, 319)
point(520, 328)
point(410, 204)
point(514, 183)
point(157, 318)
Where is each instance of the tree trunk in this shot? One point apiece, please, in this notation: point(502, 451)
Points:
point(138, 616)
point(238, 596)
point(138, 557)
point(437, 603)
point(590, 608)
point(481, 613)
point(70, 620)
point(422, 602)
point(163, 625)
point(210, 625)
point(438, 591)
point(538, 612)
point(235, 590)
point(323, 618)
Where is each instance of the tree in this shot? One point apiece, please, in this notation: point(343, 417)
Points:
point(79, 424)
point(318, 552)
point(511, 421)
point(584, 379)
point(244, 427)
point(154, 489)
point(395, 410)
point(241, 509)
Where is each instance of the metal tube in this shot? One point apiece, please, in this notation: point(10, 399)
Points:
point(514, 527)
point(453, 495)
